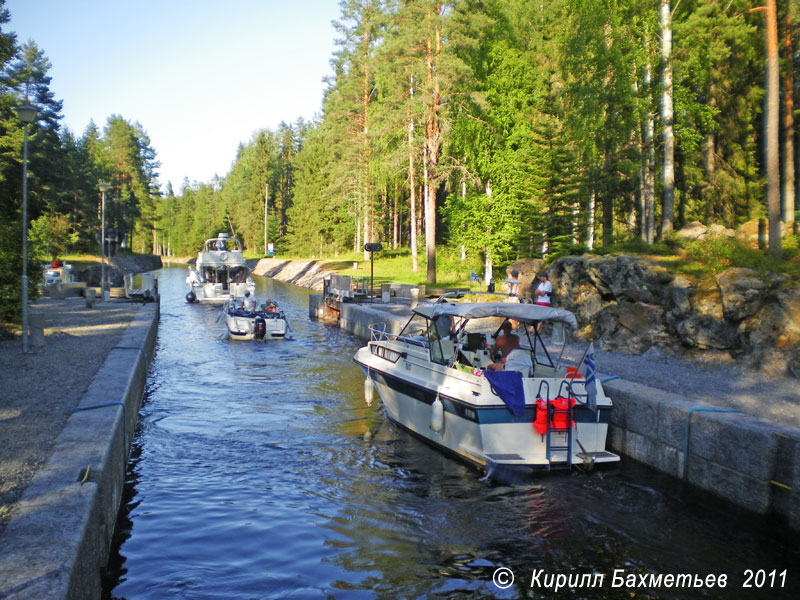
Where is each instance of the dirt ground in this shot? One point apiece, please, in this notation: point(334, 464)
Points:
point(40, 388)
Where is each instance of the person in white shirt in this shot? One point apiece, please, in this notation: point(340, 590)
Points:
point(515, 359)
point(249, 303)
point(543, 291)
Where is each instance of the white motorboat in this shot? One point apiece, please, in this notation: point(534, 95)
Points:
point(250, 323)
point(434, 381)
point(220, 272)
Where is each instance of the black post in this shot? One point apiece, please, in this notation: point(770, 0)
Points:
point(372, 248)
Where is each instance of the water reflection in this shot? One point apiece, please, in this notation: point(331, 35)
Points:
point(259, 472)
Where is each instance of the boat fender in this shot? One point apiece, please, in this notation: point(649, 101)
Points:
point(437, 415)
point(190, 297)
point(259, 328)
point(540, 424)
point(369, 390)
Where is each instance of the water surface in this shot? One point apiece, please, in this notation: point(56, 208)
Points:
point(259, 472)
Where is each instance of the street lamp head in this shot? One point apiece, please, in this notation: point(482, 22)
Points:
point(103, 186)
point(26, 113)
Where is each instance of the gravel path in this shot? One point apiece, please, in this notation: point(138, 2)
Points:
point(39, 389)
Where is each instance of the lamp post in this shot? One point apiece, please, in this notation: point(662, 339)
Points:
point(26, 114)
point(103, 187)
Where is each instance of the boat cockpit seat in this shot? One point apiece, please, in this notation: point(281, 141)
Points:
point(475, 341)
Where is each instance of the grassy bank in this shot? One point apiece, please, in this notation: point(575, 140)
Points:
point(699, 261)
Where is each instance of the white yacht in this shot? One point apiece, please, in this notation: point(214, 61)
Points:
point(434, 380)
point(220, 272)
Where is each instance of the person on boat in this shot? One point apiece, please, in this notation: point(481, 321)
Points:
point(249, 303)
point(516, 359)
point(502, 341)
point(219, 245)
point(270, 306)
point(444, 326)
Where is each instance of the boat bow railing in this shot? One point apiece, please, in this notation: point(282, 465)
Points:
point(379, 333)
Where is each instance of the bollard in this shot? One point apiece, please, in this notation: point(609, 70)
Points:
point(36, 327)
point(414, 297)
point(88, 293)
point(386, 292)
point(148, 285)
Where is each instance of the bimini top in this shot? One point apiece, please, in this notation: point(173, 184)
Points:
point(222, 243)
point(524, 313)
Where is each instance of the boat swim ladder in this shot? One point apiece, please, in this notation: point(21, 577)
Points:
point(559, 422)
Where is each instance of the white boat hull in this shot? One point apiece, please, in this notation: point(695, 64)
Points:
point(243, 327)
point(217, 293)
point(478, 427)
point(220, 272)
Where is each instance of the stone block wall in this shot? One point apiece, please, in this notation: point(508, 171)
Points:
point(736, 457)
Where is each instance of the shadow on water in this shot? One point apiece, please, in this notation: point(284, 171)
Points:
point(258, 472)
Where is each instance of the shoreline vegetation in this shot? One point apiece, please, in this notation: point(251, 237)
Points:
point(708, 321)
point(495, 131)
point(698, 260)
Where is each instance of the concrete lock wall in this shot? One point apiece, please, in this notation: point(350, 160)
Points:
point(60, 537)
point(751, 463)
point(357, 320)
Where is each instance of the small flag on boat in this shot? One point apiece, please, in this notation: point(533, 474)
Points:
point(589, 377)
point(473, 276)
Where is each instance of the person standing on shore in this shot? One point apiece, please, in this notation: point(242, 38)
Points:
point(543, 291)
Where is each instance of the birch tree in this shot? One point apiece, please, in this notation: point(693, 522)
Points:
point(667, 116)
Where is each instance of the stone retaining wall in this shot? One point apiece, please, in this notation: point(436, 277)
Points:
point(305, 273)
point(59, 539)
point(751, 463)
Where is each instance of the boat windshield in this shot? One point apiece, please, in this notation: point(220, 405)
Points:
point(446, 335)
point(222, 244)
point(415, 330)
point(433, 334)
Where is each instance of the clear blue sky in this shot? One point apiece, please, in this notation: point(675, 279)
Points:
point(201, 76)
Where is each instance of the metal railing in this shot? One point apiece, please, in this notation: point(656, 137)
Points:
point(378, 333)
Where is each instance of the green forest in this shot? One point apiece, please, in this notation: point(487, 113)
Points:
point(508, 129)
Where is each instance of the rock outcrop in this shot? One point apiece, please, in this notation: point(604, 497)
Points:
point(305, 273)
point(631, 304)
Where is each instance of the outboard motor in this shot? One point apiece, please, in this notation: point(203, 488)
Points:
point(260, 328)
point(190, 297)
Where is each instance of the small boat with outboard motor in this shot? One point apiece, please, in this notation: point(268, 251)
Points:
point(245, 320)
point(439, 380)
point(220, 272)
